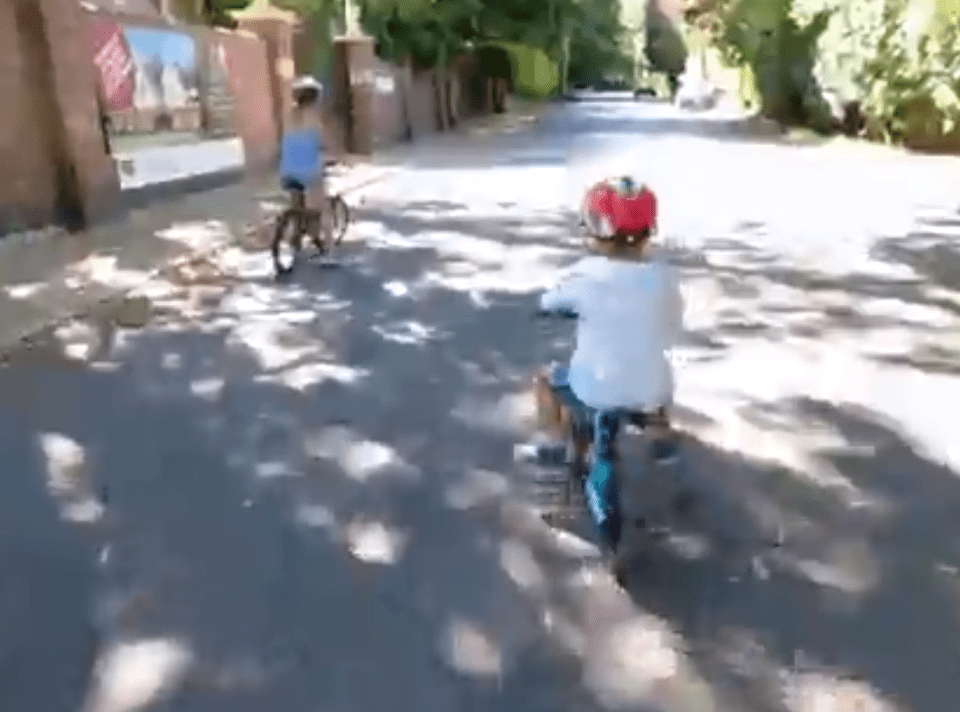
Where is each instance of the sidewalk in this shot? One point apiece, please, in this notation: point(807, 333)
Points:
point(48, 274)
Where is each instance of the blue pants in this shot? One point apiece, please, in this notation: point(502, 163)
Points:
point(600, 487)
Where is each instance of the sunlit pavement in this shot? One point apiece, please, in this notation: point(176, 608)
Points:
point(248, 495)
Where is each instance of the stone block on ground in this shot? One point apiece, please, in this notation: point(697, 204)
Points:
point(130, 312)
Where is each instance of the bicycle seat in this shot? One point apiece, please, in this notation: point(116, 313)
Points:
point(293, 184)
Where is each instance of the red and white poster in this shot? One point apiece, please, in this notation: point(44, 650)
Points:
point(115, 62)
point(169, 115)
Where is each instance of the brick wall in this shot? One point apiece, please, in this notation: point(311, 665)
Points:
point(76, 93)
point(52, 152)
point(389, 122)
point(402, 102)
point(26, 176)
point(53, 162)
point(423, 103)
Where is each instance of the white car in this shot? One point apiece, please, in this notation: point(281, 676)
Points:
point(697, 93)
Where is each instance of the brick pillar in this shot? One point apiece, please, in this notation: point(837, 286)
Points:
point(353, 95)
point(277, 34)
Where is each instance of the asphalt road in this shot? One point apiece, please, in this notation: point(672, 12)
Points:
point(301, 496)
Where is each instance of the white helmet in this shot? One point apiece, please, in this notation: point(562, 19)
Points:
point(306, 83)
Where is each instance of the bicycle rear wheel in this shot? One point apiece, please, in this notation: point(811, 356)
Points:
point(339, 218)
point(287, 238)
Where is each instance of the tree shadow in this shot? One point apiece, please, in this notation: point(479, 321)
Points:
point(310, 501)
point(756, 292)
point(832, 599)
point(784, 591)
point(934, 256)
point(48, 574)
point(558, 232)
point(258, 468)
point(584, 125)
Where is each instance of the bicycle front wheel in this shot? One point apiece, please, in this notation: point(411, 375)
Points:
point(339, 218)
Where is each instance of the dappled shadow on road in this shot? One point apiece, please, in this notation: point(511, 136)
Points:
point(835, 386)
point(902, 308)
point(856, 606)
point(562, 134)
point(554, 230)
point(47, 569)
point(524, 139)
point(663, 120)
point(616, 96)
point(931, 251)
point(276, 479)
point(303, 497)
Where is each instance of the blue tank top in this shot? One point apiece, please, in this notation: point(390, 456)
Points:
point(301, 155)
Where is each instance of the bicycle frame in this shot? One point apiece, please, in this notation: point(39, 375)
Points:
point(598, 475)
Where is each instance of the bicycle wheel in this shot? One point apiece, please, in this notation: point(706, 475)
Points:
point(287, 237)
point(339, 218)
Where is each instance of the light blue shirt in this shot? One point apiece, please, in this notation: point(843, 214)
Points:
point(301, 156)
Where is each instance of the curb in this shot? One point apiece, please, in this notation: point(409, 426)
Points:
point(23, 337)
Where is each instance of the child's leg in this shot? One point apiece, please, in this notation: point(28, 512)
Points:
point(326, 215)
point(555, 418)
point(551, 415)
point(602, 487)
point(316, 202)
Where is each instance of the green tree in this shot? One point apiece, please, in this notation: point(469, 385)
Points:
point(573, 32)
point(598, 43)
point(665, 47)
point(428, 32)
point(579, 35)
point(911, 83)
point(212, 12)
point(779, 47)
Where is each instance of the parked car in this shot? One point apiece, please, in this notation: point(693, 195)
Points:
point(612, 84)
point(697, 94)
point(644, 91)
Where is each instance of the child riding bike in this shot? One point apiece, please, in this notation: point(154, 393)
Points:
point(630, 311)
point(302, 149)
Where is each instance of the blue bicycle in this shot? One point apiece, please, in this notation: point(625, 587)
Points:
point(594, 478)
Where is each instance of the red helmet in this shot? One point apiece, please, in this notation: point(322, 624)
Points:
point(620, 207)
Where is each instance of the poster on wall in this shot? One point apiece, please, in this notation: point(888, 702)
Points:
point(166, 103)
point(150, 79)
